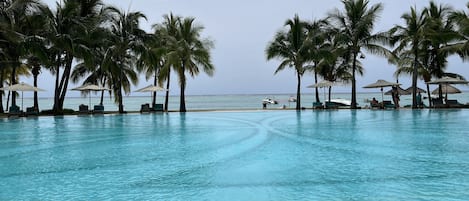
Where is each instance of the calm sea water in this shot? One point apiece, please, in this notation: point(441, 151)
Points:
point(214, 102)
point(263, 155)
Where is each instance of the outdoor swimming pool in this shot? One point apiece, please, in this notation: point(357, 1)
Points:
point(274, 155)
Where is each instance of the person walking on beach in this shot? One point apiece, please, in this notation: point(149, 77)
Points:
point(395, 96)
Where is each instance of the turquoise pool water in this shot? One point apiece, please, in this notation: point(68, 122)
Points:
point(280, 155)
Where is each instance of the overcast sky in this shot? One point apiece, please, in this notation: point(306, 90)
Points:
point(241, 30)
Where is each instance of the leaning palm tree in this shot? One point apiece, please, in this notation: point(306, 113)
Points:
point(68, 28)
point(292, 48)
point(356, 23)
point(190, 54)
point(410, 38)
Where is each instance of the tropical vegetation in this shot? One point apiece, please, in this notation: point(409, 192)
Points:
point(420, 47)
point(90, 42)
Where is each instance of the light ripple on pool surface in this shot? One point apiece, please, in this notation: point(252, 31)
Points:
point(284, 155)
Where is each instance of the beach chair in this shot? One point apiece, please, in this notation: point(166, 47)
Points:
point(375, 105)
point(31, 111)
point(145, 108)
point(388, 105)
point(83, 109)
point(318, 105)
point(454, 104)
point(157, 108)
point(14, 111)
point(331, 105)
point(98, 109)
point(438, 103)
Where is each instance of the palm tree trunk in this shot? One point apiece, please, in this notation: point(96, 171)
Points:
point(154, 93)
point(64, 83)
point(182, 98)
point(298, 91)
point(316, 82)
point(414, 81)
point(166, 99)
point(429, 96)
point(35, 75)
point(354, 82)
point(1, 93)
point(13, 81)
point(55, 108)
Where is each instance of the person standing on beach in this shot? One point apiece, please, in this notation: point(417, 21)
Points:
point(395, 96)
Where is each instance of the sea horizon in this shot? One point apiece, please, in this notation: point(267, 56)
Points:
point(218, 101)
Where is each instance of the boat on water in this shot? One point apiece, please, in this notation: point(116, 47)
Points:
point(292, 99)
point(269, 101)
point(341, 102)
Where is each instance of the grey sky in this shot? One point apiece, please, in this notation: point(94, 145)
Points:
point(241, 30)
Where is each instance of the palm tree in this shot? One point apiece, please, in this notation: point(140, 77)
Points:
point(68, 33)
point(153, 58)
point(439, 33)
point(410, 40)
point(334, 65)
point(119, 60)
point(169, 34)
point(317, 47)
point(356, 23)
point(17, 20)
point(292, 48)
point(191, 53)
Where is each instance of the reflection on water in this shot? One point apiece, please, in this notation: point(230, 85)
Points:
point(282, 155)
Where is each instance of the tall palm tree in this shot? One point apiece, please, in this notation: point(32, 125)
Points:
point(356, 23)
point(69, 27)
point(168, 31)
point(409, 39)
point(153, 58)
point(316, 41)
point(439, 33)
point(191, 53)
point(16, 18)
point(334, 65)
point(292, 48)
point(120, 58)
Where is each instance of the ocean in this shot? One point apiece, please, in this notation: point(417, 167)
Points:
point(219, 102)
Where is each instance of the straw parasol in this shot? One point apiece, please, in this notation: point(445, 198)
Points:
point(21, 87)
point(400, 90)
point(381, 84)
point(448, 89)
point(322, 84)
point(418, 90)
point(89, 88)
point(151, 88)
point(446, 81)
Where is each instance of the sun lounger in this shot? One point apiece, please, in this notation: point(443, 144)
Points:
point(318, 105)
point(438, 103)
point(454, 104)
point(83, 109)
point(157, 108)
point(331, 105)
point(15, 111)
point(145, 108)
point(31, 111)
point(375, 105)
point(98, 109)
point(388, 105)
